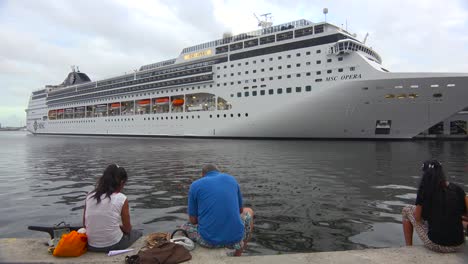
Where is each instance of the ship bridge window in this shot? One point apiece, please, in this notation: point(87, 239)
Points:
point(236, 46)
point(284, 36)
point(318, 29)
point(303, 32)
point(251, 43)
point(458, 127)
point(267, 39)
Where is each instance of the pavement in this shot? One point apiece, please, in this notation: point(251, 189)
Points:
point(29, 250)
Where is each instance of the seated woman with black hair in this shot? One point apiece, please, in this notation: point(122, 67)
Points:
point(107, 214)
point(439, 212)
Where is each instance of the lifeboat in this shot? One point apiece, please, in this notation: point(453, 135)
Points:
point(52, 113)
point(115, 105)
point(162, 100)
point(60, 111)
point(178, 102)
point(144, 102)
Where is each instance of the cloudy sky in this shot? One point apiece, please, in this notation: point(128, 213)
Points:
point(40, 40)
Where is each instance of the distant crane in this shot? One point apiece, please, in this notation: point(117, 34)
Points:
point(266, 22)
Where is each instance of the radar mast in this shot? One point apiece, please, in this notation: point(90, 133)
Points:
point(266, 22)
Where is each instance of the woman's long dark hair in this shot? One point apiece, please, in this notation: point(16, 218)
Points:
point(433, 184)
point(110, 181)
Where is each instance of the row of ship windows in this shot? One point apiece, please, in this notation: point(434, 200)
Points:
point(158, 85)
point(279, 77)
point(279, 58)
point(151, 118)
point(410, 96)
point(414, 86)
point(289, 76)
point(135, 95)
point(132, 82)
point(131, 78)
point(162, 84)
point(308, 88)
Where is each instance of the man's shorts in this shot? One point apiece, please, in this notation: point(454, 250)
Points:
point(193, 234)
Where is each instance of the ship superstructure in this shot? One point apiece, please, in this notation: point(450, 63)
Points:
point(294, 80)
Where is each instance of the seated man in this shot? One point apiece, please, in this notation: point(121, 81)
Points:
point(217, 218)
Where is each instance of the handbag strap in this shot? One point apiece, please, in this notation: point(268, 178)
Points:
point(181, 230)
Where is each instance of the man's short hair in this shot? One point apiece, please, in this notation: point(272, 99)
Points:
point(209, 167)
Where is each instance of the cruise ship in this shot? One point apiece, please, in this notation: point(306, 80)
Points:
point(295, 80)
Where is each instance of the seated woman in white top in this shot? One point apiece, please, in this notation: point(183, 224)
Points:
point(107, 214)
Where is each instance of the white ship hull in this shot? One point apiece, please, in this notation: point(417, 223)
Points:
point(362, 103)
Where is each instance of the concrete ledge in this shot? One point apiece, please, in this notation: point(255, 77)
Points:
point(15, 250)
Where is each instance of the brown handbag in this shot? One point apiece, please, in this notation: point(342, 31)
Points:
point(167, 253)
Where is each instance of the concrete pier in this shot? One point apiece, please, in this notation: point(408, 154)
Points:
point(20, 250)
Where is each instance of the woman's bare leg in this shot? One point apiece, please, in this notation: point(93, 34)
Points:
point(408, 232)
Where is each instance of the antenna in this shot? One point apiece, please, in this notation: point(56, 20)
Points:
point(325, 12)
point(365, 38)
point(266, 22)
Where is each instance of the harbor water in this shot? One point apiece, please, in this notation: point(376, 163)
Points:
point(308, 196)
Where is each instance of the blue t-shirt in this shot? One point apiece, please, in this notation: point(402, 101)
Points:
point(216, 200)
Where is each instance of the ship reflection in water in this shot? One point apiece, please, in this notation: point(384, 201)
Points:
point(308, 195)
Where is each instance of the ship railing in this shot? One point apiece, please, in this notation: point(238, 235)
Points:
point(346, 46)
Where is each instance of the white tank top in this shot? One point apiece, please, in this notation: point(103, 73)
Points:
point(103, 220)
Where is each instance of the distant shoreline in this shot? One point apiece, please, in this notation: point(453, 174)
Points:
point(12, 128)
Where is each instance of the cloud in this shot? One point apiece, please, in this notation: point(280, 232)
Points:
point(41, 39)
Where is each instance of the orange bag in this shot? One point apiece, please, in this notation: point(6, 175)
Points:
point(73, 244)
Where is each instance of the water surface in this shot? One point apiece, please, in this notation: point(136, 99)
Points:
point(307, 195)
